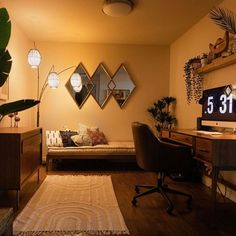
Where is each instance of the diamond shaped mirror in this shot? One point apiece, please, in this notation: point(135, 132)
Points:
point(100, 80)
point(80, 93)
point(124, 86)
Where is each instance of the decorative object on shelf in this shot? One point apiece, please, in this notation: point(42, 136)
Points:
point(101, 86)
point(220, 45)
point(204, 60)
point(11, 115)
point(226, 20)
point(52, 80)
point(163, 113)
point(193, 81)
point(6, 62)
point(16, 119)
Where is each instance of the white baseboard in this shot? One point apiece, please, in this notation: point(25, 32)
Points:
point(230, 193)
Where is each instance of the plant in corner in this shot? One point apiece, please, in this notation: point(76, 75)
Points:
point(163, 113)
point(5, 67)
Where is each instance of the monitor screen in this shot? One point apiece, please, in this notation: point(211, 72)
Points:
point(219, 104)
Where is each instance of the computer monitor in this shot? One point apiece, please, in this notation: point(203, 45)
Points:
point(219, 107)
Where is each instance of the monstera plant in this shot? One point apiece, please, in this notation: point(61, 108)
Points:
point(5, 67)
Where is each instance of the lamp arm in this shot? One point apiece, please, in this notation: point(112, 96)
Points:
point(66, 69)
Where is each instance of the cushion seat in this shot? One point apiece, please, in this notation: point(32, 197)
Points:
point(112, 150)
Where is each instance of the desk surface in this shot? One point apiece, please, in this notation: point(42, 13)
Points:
point(191, 132)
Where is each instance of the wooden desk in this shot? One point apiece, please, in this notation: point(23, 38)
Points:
point(217, 151)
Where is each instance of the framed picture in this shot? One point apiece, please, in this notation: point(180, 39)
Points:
point(4, 91)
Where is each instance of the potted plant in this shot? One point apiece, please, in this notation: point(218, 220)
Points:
point(5, 67)
point(163, 113)
point(193, 81)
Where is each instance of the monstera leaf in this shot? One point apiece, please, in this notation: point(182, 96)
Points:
point(5, 29)
point(5, 67)
point(16, 106)
point(5, 58)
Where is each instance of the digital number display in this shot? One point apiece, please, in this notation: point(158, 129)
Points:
point(219, 103)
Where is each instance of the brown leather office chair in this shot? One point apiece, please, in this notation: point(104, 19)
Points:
point(153, 154)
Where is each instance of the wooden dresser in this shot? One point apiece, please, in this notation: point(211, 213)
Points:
point(20, 156)
point(217, 151)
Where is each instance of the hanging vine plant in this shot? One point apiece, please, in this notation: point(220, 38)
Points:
point(193, 81)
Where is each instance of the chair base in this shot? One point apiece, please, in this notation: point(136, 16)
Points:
point(163, 190)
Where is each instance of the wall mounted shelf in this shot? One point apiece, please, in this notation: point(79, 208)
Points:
point(217, 64)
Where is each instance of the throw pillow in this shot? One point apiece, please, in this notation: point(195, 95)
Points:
point(97, 137)
point(82, 140)
point(53, 138)
point(83, 128)
point(66, 138)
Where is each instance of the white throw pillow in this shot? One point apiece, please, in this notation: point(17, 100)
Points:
point(53, 138)
point(82, 140)
point(83, 128)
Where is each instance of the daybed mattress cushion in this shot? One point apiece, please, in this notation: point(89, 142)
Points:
point(112, 148)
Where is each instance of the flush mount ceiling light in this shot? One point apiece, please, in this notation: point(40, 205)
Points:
point(117, 8)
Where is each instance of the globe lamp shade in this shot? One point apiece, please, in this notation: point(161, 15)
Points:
point(34, 58)
point(53, 80)
point(75, 80)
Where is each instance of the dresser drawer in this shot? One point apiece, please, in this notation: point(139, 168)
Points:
point(165, 133)
point(204, 149)
point(183, 138)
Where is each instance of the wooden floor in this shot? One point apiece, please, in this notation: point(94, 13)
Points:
point(149, 217)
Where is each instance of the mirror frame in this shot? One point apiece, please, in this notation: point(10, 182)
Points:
point(108, 89)
point(89, 91)
point(122, 66)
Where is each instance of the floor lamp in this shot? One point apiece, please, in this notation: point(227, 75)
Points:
point(52, 80)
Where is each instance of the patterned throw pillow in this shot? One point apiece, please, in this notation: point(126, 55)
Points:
point(53, 138)
point(66, 138)
point(83, 128)
point(97, 137)
point(82, 140)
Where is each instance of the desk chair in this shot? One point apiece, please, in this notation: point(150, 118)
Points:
point(153, 154)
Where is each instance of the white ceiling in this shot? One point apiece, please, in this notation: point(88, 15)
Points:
point(151, 21)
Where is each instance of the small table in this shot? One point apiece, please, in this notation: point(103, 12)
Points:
point(6, 221)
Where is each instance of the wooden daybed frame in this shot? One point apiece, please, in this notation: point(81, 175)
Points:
point(121, 150)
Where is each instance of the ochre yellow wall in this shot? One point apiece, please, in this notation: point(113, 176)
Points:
point(21, 82)
point(194, 42)
point(148, 67)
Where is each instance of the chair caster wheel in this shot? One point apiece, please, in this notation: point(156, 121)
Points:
point(137, 189)
point(134, 202)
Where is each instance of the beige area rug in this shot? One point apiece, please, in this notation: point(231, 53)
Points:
point(70, 204)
